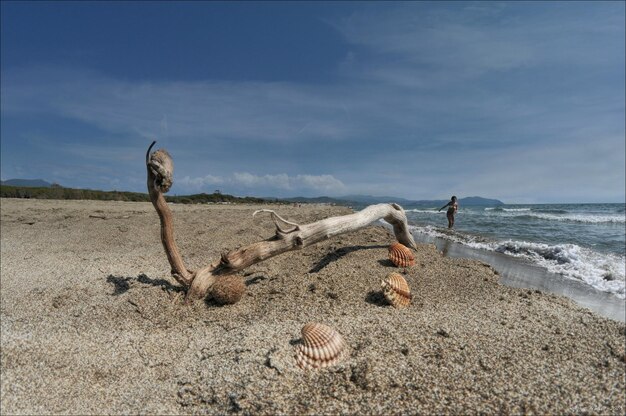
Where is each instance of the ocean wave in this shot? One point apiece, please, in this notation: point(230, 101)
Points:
point(550, 211)
point(605, 272)
point(557, 215)
point(425, 211)
point(580, 218)
point(435, 211)
point(500, 209)
point(461, 238)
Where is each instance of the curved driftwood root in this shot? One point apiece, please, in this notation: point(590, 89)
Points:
point(289, 235)
point(160, 169)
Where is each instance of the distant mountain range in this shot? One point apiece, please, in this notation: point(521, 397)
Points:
point(359, 200)
point(28, 183)
point(349, 200)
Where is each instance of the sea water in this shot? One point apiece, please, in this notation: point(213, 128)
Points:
point(581, 242)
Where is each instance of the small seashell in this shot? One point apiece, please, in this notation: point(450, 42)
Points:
point(401, 256)
point(228, 289)
point(396, 290)
point(321, 347)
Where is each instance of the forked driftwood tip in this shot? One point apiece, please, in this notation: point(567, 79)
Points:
point(277, 219)
point(148, 152)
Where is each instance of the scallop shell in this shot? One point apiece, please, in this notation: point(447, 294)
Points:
point(396, 290)
point(401, 256)
point(321, 347)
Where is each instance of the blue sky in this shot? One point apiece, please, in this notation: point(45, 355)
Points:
point(524, 102)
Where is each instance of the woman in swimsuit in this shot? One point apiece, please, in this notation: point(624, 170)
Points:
point(453, 207)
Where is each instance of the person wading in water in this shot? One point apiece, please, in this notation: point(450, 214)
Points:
point(453, 207)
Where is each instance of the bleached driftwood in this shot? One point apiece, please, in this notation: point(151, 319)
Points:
point(289, 235)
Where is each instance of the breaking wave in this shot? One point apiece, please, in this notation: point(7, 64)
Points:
point(603, 271)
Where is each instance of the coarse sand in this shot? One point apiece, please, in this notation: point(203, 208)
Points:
point(92, 323)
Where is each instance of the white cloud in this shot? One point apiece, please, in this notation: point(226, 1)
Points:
point(319, 183)
point(280, 181)
point(200, 182)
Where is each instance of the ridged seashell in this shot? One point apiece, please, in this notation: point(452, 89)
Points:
point(401, 256)
point(228, 289)
point(396, 290)
point(321, 346)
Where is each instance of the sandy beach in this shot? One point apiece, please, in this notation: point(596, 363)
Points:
point(92, 323)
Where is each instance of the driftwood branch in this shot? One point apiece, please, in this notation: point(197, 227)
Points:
point(160, 171)
point(289, 235)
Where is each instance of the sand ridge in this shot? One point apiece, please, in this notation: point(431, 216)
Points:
point(92, 323)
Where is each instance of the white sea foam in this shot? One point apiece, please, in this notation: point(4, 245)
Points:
point(435, 211)
point(582, 218)
point(556, 215)
point(426, 211)
point(507, 209)
point(461, 238)
point(605, 272)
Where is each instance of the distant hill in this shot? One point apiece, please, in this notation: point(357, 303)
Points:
point(363, 200)
point(28, 183)
point(319, 200)
point(369, 199)
point(467, 201)
point(477, 200)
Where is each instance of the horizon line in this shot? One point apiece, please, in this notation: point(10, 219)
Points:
point(327, 196)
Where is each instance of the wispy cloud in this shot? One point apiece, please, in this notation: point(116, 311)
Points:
point(252, 111)
point(426, 46)
point(260, 183)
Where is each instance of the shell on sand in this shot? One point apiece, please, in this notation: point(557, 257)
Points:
point(396, 290)
point(321, 347)
point(228, 289)
point(401, 256)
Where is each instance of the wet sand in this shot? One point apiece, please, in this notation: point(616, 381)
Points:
point(92, 323)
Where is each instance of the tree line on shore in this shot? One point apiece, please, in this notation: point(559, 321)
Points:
point(58, 192)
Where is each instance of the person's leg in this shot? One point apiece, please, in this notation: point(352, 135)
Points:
point(450, 220)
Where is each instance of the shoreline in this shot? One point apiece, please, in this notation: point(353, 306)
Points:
point(520, 273)
point(576, 241)
point(92, 323)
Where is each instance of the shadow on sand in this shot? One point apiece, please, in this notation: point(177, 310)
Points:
point(122, 284)
point(339, 253)
point(376, 297)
